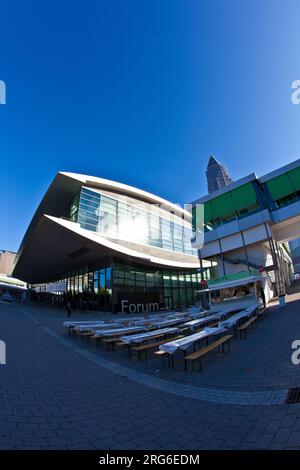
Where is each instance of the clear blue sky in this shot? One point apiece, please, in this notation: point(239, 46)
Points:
point(143, 91)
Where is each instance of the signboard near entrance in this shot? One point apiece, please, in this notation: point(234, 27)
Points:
point(127, 307)
point(139, 302)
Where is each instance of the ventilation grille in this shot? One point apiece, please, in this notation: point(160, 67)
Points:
point(293, 395)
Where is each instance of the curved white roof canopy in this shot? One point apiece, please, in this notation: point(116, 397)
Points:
point(58, 198)
point(53, 246)
point(59, 246)
point(120, 188)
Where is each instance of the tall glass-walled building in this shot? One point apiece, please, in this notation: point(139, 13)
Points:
point(248, 223)
point(250, 195)
point(110, 247)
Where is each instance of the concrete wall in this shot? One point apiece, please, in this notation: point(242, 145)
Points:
point(234, 241)
point(7, 259)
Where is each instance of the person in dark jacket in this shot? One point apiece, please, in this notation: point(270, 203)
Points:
point(69, 309)
point(262, 296)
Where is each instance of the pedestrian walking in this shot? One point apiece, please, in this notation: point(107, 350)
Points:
point(262, 296)
point(69, 308)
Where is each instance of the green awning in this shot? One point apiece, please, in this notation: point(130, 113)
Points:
point(295, 178)
point(222, 206)
point(280, 187)
point(207, 212)
point(244, 197)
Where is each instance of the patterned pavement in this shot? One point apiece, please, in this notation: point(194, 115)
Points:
point(59, 392)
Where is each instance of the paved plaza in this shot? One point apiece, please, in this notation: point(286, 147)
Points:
point(59, 392)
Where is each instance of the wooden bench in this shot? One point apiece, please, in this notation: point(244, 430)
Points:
point(86, 334)
point(196, 356)
point(215, 323)
point(101, 340)
point(143, 349)
point(185, 331)
point(159, 353)
point(165, 356)
point(249, 323)
point(98, 340)
point(111, 343)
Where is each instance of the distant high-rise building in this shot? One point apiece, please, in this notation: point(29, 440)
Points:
point(217, 175)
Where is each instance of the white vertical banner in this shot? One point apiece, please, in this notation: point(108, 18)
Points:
point(2, 92)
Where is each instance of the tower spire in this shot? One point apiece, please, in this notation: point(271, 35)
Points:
point(217, 175)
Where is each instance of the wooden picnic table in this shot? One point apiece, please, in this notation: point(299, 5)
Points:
point(70, 324)
point(186, 342)
point(97, 327)
point(144, 342)
point(192, 324)
point(110, 337)
point(142, 337)
point(170, 322)
point(235, 319)
point(119, 331)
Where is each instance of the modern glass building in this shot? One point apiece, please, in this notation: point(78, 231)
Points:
point(110, 247)
point(248, 223)
point(249, 195)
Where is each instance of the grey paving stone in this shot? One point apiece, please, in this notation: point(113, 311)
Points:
point(293, 440)
point(282, 435)
point(55, 397)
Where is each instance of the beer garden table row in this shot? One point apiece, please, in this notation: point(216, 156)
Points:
point(140, 338)
point(192, 324)
point(184, 343)
point(232, 321)
point(137, 329)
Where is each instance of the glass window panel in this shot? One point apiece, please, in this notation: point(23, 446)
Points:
point(116, 218)
point(189, 295)
point(280, 186)
point(207, 212)
point(150, 280)
point(96, 282)
point(85, 280)
point(74, 208)
point(176, 298)
point(108, 217)
point(158, 279)
point(102, 280)
point(80, 283)
point(222, 206)
point(295, 178)
point(174, 278)
point(140, 278)
point(167, 279)
point(108, 278)
point(244, 197)
point(183, 297)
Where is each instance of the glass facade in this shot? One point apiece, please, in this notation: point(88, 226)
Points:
point(285, 189)
point(168, 288)
point(126, 219)
point(114, 285)
point(248, 198)
point(105, 287)
point(232, 205)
